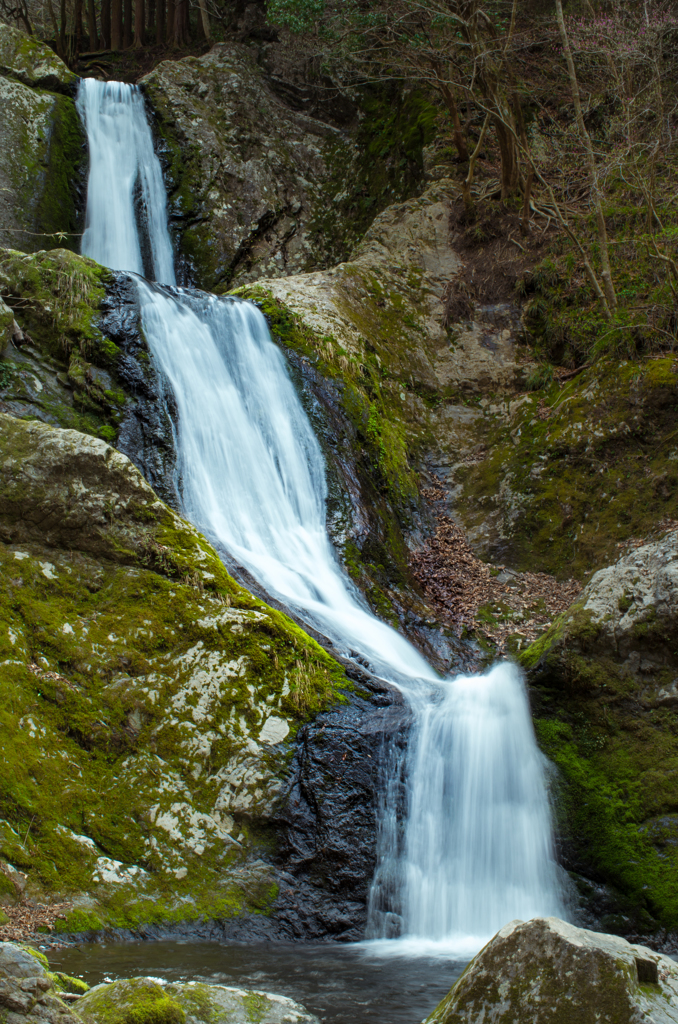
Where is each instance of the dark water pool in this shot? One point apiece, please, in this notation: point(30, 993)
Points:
point(340, 984)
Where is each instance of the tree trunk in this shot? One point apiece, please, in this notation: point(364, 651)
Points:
point(78, 29)
point(590, 160)
point(92, 26)
point(55, 26)
point(181, 23)
point(169, 28)
point(510, 168)
point(116, 24)
point(160, 23)
point(105, 24)
point(150, 20)
point(451, 104)
point(127, 27)
point(139, 15)
point(62, 29)
point(205, 20)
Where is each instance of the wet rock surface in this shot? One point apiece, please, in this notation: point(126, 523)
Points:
point(147, 429)
point(328, 828)
point(547, 970)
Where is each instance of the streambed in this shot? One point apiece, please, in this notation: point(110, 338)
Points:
point(340, 984)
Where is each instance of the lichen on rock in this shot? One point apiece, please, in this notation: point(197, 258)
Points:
point(546, 970)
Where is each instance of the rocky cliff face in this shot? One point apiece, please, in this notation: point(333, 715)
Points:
point(41, 145)
point(604, 679)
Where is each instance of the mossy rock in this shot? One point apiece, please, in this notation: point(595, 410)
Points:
point(32, 62)
point(41, 145)
point(144, 1001)
point(546, 970)
point(148, 701)
point(604, 698)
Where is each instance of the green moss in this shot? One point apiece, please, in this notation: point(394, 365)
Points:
point(65, 983)
point(568, 487)
point(385, 166)
point(37, 954)
point(136, 1001)
point(57, 210)
point(98, 710)
point(56, 298)
point(79, 922)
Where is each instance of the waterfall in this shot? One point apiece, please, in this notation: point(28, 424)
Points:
point(475, 850)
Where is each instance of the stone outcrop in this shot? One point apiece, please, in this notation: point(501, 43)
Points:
point(144, 999)
point(391, 297)
point(546, 970)
point(27, 991)
point(247, 175)
point(40, 143)
point(604, 695)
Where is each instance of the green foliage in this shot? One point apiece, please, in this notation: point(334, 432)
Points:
point(299, 15)
point(540, 377)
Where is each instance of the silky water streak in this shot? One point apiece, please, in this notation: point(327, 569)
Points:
point(475, 849)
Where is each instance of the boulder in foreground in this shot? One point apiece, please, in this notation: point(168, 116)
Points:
point(144, 1000)
point(547, 970)
point(28, 994)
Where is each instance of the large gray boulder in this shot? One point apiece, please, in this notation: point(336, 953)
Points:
point(192, 1003)
point(27, 992)
point(248, 177)
point(546, 970)
point(390, 298)
point(627, 615)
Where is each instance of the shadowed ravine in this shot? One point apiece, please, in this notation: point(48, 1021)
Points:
point(475, 850)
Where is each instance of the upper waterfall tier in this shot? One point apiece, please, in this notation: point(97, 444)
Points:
point(126, 220)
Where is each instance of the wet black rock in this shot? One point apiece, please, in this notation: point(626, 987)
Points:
point(146, 434)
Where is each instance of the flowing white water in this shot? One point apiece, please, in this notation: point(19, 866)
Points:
point(125, 180)
point(476, 847)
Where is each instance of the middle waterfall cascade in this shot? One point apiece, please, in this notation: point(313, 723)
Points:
point(476, 850)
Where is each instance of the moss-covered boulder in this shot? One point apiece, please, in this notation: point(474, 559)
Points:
point(29, 61)
point(144, 1001)
point(41, 144)
point(27, 989)
point(548, 972)
point(147, 702)
point(604, 695)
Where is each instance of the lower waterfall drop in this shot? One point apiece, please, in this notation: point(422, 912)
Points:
point(476, 849)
